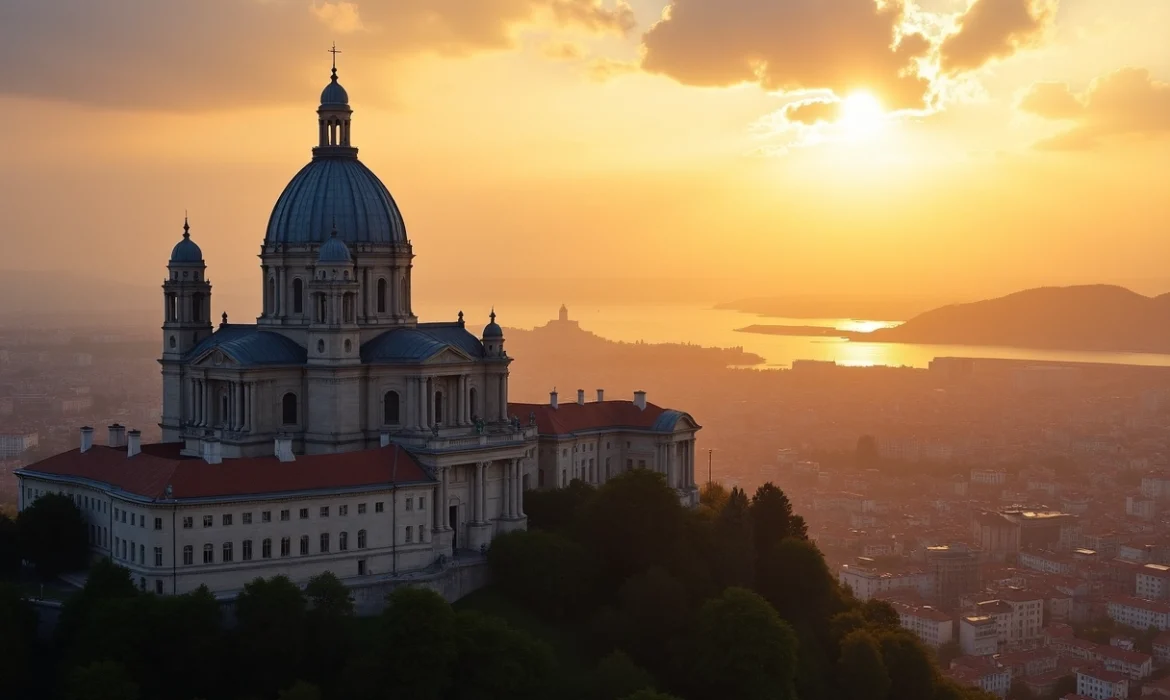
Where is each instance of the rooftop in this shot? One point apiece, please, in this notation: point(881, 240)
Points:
point(571, 417)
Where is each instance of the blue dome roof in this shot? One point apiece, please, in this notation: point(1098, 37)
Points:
point(186, 250)
point(335, 190)
point(334, 94)
point(334, 251)
point(493, 330)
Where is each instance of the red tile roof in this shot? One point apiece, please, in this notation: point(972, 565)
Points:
point(147, 474)
point(571, 417)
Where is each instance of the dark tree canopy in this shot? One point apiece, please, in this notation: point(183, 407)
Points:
point(743, 649)
point(549, 571)
point(18, 642)
point(618, 676)
point(420, 642)
point(861, 672)
point(101, 680)
point(271, 632)
point(9, 547)
point(53, 535)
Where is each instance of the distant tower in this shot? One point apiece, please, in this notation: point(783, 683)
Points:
point(187, 296)
point(493, 338)
point(564, 315)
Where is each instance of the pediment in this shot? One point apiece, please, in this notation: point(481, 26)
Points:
point(447, 356)
point(215, 357)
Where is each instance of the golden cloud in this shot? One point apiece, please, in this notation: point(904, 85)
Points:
point(994, 29)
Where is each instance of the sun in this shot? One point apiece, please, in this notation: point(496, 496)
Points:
point(861, 113)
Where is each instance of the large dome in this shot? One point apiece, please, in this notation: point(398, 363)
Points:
point(335, 191)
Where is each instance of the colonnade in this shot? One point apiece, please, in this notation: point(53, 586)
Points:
point(512, 504)
point(677, 461)
point(241, 414)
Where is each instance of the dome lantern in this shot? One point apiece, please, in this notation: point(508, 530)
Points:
point(186, 251)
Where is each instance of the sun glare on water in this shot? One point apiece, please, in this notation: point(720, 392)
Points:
point(861, 113)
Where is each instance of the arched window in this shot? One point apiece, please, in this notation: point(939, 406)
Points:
point(472, 396)
point(298, 296)
point(381, 295)
point(223, 409)
point(188, 555)
point(390, 408)
point(361, 539)
point(196, 307)
point(343, 541)
point(403, 307)
point(289, 409)
point(438, 407)
point(304, 544)
point(208, 554)
point(272, 295)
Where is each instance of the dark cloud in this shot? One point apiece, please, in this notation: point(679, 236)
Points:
point(992, 29)
point(163, 54)
point(812, 112)
point(1128, 102)
point(839, 45)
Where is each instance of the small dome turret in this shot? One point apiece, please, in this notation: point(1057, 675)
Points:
point(334, 252)
point(186, 251)
point(493, 330)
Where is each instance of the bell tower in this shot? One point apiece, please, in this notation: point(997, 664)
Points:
point(334, 334)
point(187, 299)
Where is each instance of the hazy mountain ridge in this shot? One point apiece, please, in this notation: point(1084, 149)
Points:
point(1087, 317)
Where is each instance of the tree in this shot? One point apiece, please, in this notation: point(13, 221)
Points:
point(100, 680)
point(772, 518)
point(9, 547)
point(743, 649)
point(633, 522)
point(331, 628)
point(861, 673)
point(794, 578)
point(419, 644)
point(187, 641)
point(270, 634)
point(734, 555)
point(53, 535)
point(556, 509)
point(867, 451)
point(653, 615)
point(496, 661)
point(947, 652)
point(912, 675)
point(880, 613)
point(106, 581)
point(300, 691)
point(618, 676)
point(713, 495)
point(544, 570)
point(18, 642)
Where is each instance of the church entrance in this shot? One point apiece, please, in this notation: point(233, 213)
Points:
point(453, 514)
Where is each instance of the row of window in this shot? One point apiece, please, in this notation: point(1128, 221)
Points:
point(226, 519)
point(298, 294)
point(227, 550)
point(565, 451)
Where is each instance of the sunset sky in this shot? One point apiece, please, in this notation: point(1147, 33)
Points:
point(756, 146)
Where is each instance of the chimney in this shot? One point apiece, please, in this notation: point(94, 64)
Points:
point(384, 438)
point(212, 453)
point(283, 448)
point(640, 400)
point(600, 395)
point(552, 398)
point(133, 442)
point(117, 436)
point(581, 397)
point(86, 438)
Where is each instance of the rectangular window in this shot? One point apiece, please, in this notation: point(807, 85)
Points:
point(409, 503)
point(207, 521)
point(304, 544)
point(266, 516)
point(409, 533)
point(266, 549)
point(629, 464)
point(158, 586)
point(188, 523)
point(227, 551)
point(324, 511)
point(227, 519)
point(123, 517)
point(324, 542)
point(422, 502)
point(208, 554)
point(117, 546)
point(87, 502)
point(247, 518)
point(116, 514)
point(132, 559)
point(188, 555)
point(142, 521)
point(158, 556)
point(361, 509)
point(343, 542)
point(158, 523)
point(304, 513)
point(379, 507)
point(285, 546)
point(142, 553)
point(641, 464)
point(246, 550)
point(343, 510)
point(284, 514)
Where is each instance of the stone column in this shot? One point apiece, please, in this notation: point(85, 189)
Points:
point(280, 280)
point(476, 501)
point(421, 385)
point(518, 508)
point(506, 490)
point(445, 514)
point(206, 391)
point(435, 506)
point(483, 491)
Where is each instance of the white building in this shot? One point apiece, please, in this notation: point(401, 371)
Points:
point(1144, 508)
point(992, 678)
point(1139, 613)
point(337, 432)
point(1100, 684)
point(1156, 486)
point(988, 477)
point(932, 626)
point(978, 635)
point(1153, 582)
point(16, 443)
point(868, 582)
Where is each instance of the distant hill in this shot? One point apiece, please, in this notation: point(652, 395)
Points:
point(1089, 317)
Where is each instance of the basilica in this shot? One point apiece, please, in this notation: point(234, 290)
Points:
point(338, 432)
